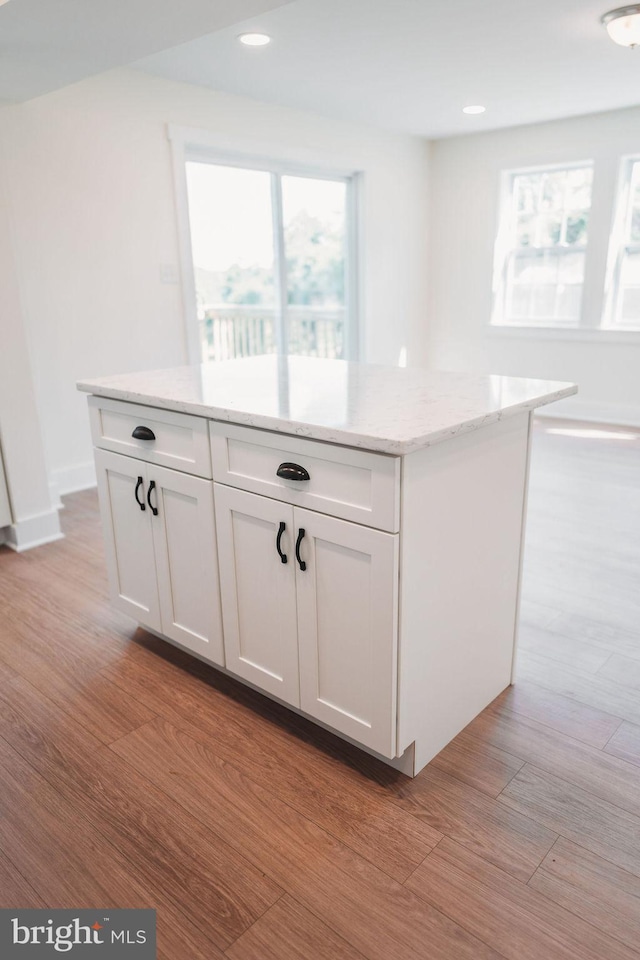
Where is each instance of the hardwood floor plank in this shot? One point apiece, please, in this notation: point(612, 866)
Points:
point(218, 889)
point(570, 717)
point(372, 912)
point(536, 614)
point(515, 920)
point(594, 771)
point(567, 650)
point(15, 890)
point(68, 863)
point(278, 755)
point(482, 766)
point(625, 743)
point(617, 639)
point(55, 599)
point(55, 602)
point(592, 888)
point(6, 672)
point(85, 695)
point(519, 845)
point(582, 556)
point(622, 670)
point(514, 843)
point(289, 932)
point(237, 784)
point(591, 689)
point(320, 740)
point(595, 824)
point(342, 801)
point(91, 638)
point(612, 599)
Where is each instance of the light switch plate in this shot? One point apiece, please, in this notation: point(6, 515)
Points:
point(168, 273)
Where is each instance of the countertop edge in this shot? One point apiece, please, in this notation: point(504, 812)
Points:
point(327, 434)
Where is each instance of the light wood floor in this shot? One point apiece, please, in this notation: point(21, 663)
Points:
point(135, 776)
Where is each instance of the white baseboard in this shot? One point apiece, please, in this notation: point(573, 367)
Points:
point(34, 531)
point(619, 414)
point(82, 476)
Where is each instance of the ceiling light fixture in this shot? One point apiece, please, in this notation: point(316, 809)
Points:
point(474, 108)
point(254, 39)
point(623, 25)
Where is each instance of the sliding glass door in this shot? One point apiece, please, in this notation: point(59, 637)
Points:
point(272, 262)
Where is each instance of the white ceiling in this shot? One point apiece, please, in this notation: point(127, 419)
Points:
point(47, 44)
point(410, 65)
point(407, 65)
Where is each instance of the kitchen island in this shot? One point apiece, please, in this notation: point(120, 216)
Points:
point(346, 538)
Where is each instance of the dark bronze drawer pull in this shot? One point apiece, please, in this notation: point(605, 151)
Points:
point(143, 433)
point(292, 471)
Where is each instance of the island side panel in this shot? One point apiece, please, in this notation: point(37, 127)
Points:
point(463, 502)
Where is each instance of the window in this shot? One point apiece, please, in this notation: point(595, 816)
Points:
point(624, 303)
point(272, 260)
point(540, 251)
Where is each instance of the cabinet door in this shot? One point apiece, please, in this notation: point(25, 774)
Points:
point(184, 536)
point(258, 590)
point(128, 537)
point(347, 628)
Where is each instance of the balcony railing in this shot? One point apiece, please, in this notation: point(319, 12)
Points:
point(232, 331)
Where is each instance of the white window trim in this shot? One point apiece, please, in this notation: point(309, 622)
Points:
point(191, 144)
point(497, 326)
point(597, 334)
point(617, 249)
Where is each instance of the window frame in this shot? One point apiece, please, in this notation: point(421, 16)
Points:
point(203, 147)
point(618, 249)
point(505, 251)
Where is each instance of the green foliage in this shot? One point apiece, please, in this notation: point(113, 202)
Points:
point(576, 229)
point(251, 285)
point(314, 264)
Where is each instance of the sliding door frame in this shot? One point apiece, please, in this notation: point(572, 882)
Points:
point(203, 147)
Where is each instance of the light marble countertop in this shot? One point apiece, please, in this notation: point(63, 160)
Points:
point(389, 409)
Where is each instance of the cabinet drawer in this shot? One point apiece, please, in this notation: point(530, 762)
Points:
point(347, 483)
point(180, 440)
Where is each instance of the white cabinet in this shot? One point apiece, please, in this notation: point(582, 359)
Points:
point(131, 564)
point(160, 541)
point(392, 618)
point(309, 608)
point(180, 442)
point(348, 628)
point(258, 591)
point(351, 484)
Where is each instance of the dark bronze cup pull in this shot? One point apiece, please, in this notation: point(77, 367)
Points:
point(143, 433)
point(292, 471)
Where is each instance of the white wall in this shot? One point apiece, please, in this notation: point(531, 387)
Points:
point(464, 187)
point(26, 506)
point(93, 213)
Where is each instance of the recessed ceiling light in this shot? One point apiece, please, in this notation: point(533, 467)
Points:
point(255, 39)
point(474, 108)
